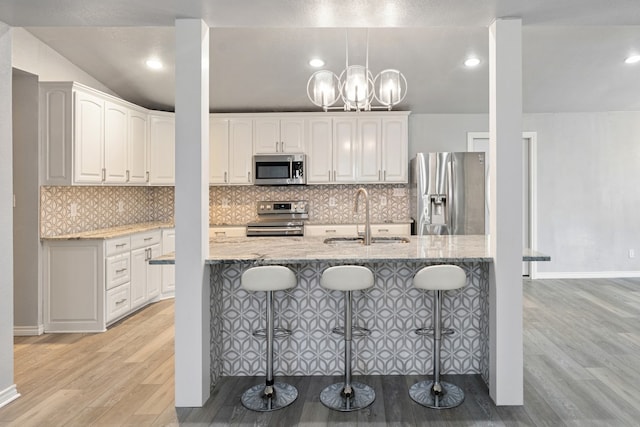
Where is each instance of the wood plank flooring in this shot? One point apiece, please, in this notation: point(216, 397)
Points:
point(582, 368)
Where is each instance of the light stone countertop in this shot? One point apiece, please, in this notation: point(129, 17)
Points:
point(109, 233)
point(294, 250)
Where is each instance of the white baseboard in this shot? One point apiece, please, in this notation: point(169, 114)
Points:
point(27, 331)
point(588, 275)
point(8, 395)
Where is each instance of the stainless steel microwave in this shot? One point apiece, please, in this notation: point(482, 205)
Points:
point(279, 169)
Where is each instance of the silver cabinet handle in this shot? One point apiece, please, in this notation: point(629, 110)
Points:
point(379, 175)
point(104, 174)
point(248, 176)
point(334, 175)
point(276, 146)
point(146, 239)
point(225, 177)
point(282, 147)
point(147, 176)
point(121, 270)
point(127, 175)
point(383, 230)
point(384, 175)
point(329, 175)
point(220, 233)
point(121, 245)
point(121, 301)
point(329, 231)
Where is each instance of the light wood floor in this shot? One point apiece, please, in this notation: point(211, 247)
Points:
point(582, 368)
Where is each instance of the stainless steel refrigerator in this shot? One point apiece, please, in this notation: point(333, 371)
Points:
point(447, 193)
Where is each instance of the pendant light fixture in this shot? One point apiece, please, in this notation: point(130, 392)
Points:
point(356, 87)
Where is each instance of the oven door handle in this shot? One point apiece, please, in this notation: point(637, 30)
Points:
point(290, 167)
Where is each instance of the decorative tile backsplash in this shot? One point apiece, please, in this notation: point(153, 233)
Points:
point(328, 204)
point(65, 210)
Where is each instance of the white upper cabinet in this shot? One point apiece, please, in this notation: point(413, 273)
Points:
point(369, 155)
point(344, 150)
point(319, 151)
point(273, 135)
point(88, 138)
point(116, 137)
point(162, 137)
point(230, 150)
point(138, 148)
point(394, 150)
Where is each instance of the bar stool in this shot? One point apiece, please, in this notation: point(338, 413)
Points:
point(271, 395)
point(348, 395)
point(435, 393)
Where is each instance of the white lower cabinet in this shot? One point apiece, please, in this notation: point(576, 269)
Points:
point(355, 229)
point(89, 284)
point(169, 270)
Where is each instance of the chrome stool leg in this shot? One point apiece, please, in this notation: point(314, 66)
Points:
point(348, 395)
point(271, 395)
point(437, 394)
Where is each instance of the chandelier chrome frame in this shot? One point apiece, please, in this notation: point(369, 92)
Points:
point(356, 87)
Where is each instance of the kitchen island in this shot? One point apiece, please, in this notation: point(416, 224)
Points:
point(392, 309)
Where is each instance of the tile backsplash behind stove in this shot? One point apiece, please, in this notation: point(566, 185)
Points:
point(65, 210)
point(328, 204)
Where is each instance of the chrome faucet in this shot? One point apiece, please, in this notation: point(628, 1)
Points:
point(367, 224)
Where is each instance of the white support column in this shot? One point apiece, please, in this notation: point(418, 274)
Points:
point(192, 339)
point(505, 140)
point(7, 387)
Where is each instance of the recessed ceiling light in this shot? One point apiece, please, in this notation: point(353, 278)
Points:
point(316, 62)
point(632, 59)
point(154, 64)
point(472, 62)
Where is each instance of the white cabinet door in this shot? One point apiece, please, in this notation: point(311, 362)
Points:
point(292, 136)
point(168, 271)
point(115, 143)
point(344, 150)
point(88, 139)
point(369, 165)
point(162, 148)
point(138, 148)
point(138, 277)
point(394, 150)
point(154, 273)
point(267, 136)
point(218, 151)
point(319, 151)
point(240, 151)
point(275, 135)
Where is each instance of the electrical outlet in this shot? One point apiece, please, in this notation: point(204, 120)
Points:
point(120, 206)
point(399, 192)
point(632, 253)
point(73, 210)
point(332, 201)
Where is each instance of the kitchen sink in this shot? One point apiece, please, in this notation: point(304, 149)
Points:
point(360, 240)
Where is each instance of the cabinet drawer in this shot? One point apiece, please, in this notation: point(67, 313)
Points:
point(227, 232)
point(145, 239)
point(118, 245)
point(118, 302)
point(118, 270)
point(330, 230)
point(388, 229)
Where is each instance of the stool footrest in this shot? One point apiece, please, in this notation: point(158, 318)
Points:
point(277, 333)
point(430, 331)
point(356, 331)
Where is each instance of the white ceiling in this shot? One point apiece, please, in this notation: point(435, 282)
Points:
point(573, 50)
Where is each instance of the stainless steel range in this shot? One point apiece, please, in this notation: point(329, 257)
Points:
point(280, 219)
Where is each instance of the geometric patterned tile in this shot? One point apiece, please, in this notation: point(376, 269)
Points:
point(392, 309)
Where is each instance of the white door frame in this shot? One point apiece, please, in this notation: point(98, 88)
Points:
point(532, 137)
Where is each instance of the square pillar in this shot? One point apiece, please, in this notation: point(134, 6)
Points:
point(193, 334)
point(505, 141)
point(8, 390)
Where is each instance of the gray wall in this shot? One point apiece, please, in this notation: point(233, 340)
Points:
point(588, 174)
point(27, 299)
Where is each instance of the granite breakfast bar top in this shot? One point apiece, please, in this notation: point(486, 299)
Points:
point(292, 250)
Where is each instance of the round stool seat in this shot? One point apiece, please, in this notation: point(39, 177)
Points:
point(268, 278)
point(347, 278)
point(440, 278)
